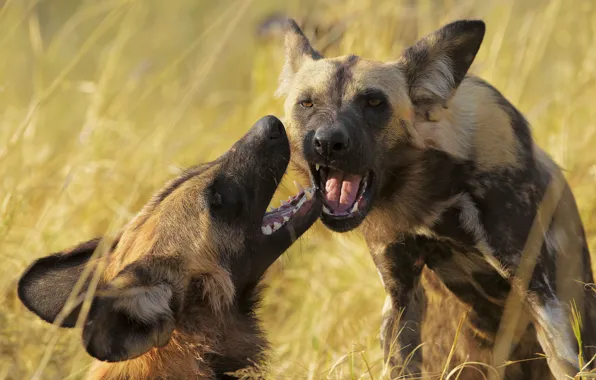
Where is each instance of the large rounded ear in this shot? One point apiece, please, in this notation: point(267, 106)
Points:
point(131, 315)
point(46, 285)
point(298, 51)
point(436, 64)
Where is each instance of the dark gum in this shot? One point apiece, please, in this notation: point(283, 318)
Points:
point(287, 207)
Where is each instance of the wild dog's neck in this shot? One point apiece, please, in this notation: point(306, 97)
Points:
point(209, 346)
point(413, 193)
point(240, 341)
point(178, 359)
point(232, 337)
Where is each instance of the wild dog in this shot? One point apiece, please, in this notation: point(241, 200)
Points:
point(440, 173)
point(178, 288)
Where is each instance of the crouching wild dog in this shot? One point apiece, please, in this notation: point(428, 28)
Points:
point(178, 288)
point(454, 199)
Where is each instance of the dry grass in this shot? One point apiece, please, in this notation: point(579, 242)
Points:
point(101, 101)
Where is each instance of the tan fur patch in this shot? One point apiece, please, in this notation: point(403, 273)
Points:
point(194, 239)
point(473, 126)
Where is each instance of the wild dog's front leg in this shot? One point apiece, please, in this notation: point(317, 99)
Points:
point(557, 263)
point(552, 296)
point(553, 329)
point(400, 335)
point(400, 265)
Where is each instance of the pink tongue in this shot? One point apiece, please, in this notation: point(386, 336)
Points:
point(341, 190)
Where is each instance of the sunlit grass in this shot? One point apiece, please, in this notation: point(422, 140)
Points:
point(102, 101)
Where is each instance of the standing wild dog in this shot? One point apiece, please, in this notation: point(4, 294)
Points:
point(453, 198)
point(178, 289)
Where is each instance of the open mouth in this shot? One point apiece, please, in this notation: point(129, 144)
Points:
point(345, 195)
point(300, 204)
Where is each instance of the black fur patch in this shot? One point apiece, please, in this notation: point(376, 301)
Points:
point(450, 227)
point(403, 262)
point(47, 301)
point(492, 284)
point(486, 316)
point(458, 41)
point(507, 227)
point(343, 75)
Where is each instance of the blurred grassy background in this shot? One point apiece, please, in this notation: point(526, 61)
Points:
point(102, 101)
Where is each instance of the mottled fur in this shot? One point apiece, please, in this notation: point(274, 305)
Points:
point(458, 183)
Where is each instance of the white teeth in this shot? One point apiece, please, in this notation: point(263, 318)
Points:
point(297, 207)
point(326, 210)
point(308, 194)
point(286, 218)
point(317, 166)
point(298, 186)
point(355, 208)
point(266, 230)
point(276, 226)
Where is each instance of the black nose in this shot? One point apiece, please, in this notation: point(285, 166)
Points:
point(331, 142)
point(271, 127)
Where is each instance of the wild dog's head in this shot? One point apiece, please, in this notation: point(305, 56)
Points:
point(205, 238)
point(357, 121)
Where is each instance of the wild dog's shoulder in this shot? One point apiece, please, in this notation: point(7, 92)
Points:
point(502, 149)
point(488, 95)
point(481, 125)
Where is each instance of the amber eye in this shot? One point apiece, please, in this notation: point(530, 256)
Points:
point(374, 102)
point(306, 103)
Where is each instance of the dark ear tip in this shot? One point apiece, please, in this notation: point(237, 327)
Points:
point(476, 27)
point(291, 25)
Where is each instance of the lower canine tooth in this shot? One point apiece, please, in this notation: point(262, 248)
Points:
point(355, 208)
point(308, 194)
point(266, 230)
point(326, 210)
point(317, 166)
